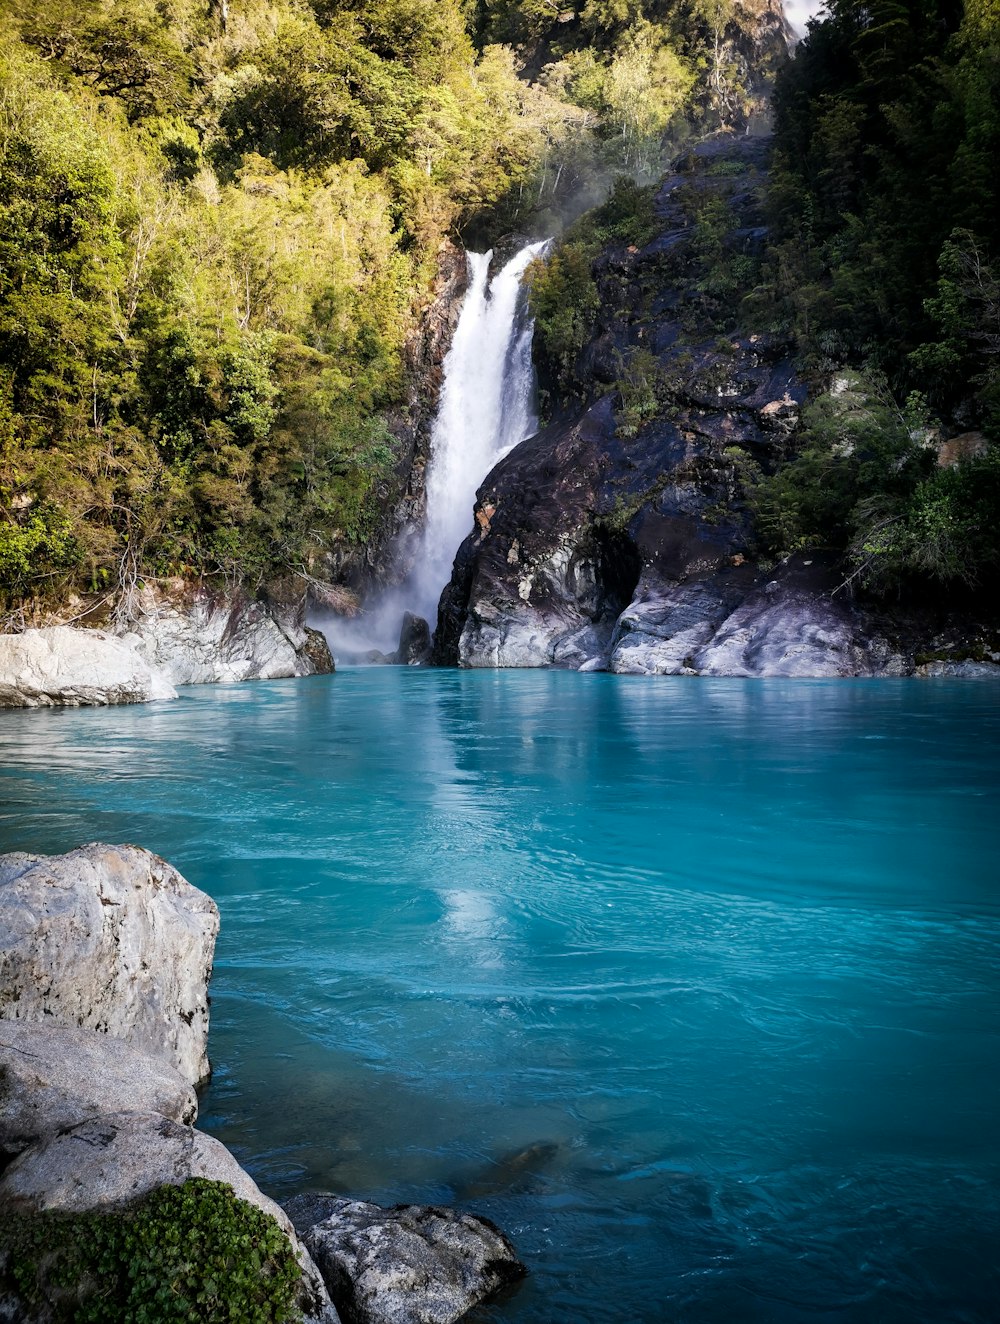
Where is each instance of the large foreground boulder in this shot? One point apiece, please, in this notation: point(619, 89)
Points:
point(52, 1079)
point(109, 938)
point(62, 666)
point(412, 1264)
point(110, 1162)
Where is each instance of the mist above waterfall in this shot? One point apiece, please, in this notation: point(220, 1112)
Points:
point(800, 13)
point(487, 406)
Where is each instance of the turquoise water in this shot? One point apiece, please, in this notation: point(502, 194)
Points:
point(692, 986)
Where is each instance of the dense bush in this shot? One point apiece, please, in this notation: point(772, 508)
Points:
point(183, 1254)
point(864, 480)
point(885, 196)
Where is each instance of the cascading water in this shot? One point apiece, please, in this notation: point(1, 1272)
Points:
point(487, 406)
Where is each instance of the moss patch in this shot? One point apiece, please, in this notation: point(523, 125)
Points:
point(184, 1253)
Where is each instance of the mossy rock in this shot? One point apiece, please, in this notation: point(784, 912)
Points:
point(182, 1254)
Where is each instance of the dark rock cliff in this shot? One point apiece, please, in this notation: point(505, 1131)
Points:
point(619, 537)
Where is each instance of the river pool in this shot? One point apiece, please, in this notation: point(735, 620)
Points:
point(693, 986)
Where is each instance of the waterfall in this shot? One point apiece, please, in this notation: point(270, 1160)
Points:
point(487, 406)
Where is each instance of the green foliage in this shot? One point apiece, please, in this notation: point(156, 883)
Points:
point(863, 479)
point(637, 390)
point(966, 309)
point(852, 442)
point(562, 291)
point(563, 300)
point(39, 544)
point(944, 530)
point(885, 193)
point(218, 225)
point(183, 1254)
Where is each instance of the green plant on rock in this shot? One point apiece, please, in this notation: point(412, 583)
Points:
point(184, 1254)
point(637, 386)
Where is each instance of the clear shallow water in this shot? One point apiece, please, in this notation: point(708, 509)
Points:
point(718, 959)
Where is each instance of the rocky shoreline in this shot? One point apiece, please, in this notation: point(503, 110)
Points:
point(105, 958)
point(173, 635)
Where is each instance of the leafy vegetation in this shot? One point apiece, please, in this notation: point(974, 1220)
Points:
point(562, 289)
point(885, 196)
point(864, 480)
point(218, 224)
point(183, 1254)
point(885, 200)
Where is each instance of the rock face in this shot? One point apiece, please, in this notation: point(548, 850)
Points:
point(619, 538)
point(62, 666)
point(199, 638)
point(52, 1079)
point(414, 642)
point(112, 1160)
point(109, 938)
point(412, 1264)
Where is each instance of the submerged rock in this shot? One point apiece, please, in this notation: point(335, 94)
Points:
point(411, 1264)
point(52, 1079)
point(65, 667)
point(109, 938)
point(110, 1161)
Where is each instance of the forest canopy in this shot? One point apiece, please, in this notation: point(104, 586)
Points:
point(219, 222)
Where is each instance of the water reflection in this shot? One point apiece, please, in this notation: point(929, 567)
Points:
point(720, 959)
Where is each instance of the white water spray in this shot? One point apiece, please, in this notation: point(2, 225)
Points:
point(799, 13)
point(487, 406)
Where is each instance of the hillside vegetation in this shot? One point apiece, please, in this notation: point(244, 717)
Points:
point(879, 270)
point(885, 201)
point(219, 220)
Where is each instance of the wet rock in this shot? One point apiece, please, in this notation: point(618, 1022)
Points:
point(411, 1264)
point(112, 1160)
point(316, 650)
point(664, 625)
point(784, 632)
point(414, 641)
point(967, 670)
point(109, 938)
point(66, 667)
point(52, 1079)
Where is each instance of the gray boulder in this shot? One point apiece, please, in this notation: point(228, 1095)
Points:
point(109, 938)
point(784, 632)
point(52, 1079)
point(965, 670)
point(199, 638)
point(665, 624)
point(63, 666)
point(108, 1162)
point(412, 1264)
